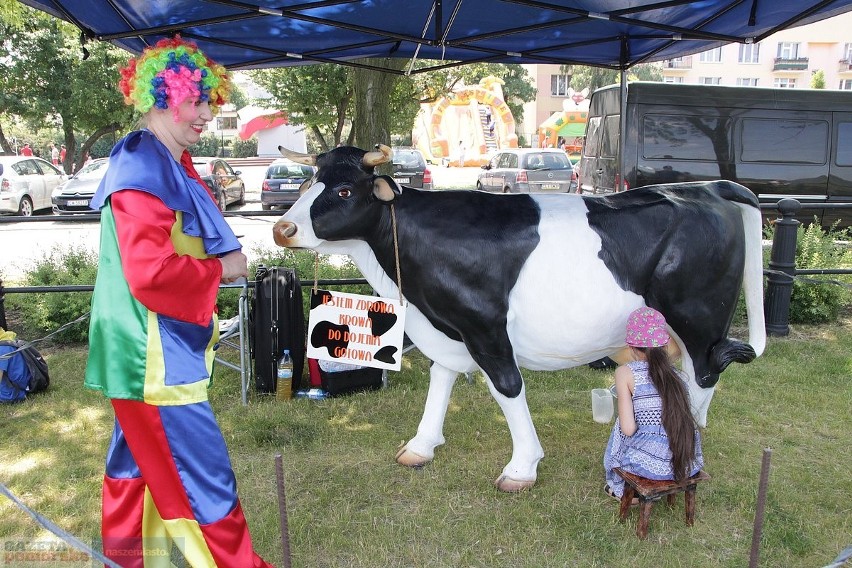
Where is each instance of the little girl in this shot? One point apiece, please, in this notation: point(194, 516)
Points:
point(655, 435)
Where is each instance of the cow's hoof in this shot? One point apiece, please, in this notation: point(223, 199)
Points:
point(409, 459)
point(508, 485)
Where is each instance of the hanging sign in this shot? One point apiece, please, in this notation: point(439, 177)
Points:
point(356, 329)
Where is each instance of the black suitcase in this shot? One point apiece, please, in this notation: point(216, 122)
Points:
point(277, 323)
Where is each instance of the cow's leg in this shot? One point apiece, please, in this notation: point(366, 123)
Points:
point(430, 433)
point(521, 471)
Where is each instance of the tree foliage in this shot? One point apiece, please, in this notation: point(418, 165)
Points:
point(583, 76)
point(316, 96)
point(348, 105)
point(818, 79)
point(48, 78)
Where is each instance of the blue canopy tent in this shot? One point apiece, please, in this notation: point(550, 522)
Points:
point(617, 34)
point(608, 33)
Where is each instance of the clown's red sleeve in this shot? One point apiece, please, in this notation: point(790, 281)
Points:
point(178, 286)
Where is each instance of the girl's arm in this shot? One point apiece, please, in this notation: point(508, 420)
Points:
point(624, 389)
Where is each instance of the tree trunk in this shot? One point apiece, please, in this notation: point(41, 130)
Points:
point(372, 91)
point(4, 144)
point(87, 144)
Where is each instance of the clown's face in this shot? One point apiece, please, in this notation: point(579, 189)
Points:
point(182, 126)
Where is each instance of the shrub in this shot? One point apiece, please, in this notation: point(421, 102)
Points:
point(45, 312)
point(819, 302)
point(245, 148)
point(208, 145)
point(813, 300)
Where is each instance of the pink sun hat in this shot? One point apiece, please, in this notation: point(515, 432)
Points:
point(646, 327)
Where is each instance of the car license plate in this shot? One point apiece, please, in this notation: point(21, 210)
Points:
point(403, 180)
point(78, 202)
point(289, 186)
point(550, 186)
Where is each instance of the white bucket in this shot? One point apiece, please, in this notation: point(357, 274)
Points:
point(602, 406)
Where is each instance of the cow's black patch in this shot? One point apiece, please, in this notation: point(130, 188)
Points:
point(331, 336)
point(381, 320)
point(682, 248)
point(386, 354)
point(319, 297)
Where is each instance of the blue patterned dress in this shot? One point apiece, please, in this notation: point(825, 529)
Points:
point(646, 452)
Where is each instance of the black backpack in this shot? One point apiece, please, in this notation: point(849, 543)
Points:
point(40, 378)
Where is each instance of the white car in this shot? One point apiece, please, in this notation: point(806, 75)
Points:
point(26, 183)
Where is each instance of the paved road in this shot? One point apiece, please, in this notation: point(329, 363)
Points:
point(23, 242)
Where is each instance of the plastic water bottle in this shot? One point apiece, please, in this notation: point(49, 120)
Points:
point(284, 387)
point(312, 394)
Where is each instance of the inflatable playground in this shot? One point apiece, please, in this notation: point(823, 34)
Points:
point(468, 125)
point(567, 129)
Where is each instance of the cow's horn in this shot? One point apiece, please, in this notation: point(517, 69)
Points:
point(298, 157)
point(378, 156)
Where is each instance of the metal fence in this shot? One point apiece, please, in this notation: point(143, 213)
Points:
point(780, 274)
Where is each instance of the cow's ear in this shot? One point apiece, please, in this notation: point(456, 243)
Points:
point(385, 188)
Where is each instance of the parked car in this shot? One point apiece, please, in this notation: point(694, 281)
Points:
point(26, 183)
point(74, 195)
point(225, 183)
point(282, 181)
point(409, 168)
point(528, 170)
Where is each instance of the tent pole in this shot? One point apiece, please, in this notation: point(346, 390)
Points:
point(622, 124)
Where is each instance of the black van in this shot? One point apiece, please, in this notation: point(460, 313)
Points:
point(777, 142)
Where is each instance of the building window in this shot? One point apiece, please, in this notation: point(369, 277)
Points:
point(788, 50)
point(672, 79)
point(847, 52)
point(711, 56)
point(559, 85)
point(226, 122)
point(709, 80)
point(749, 53)
point(746, 82)
point(784, 83)
point(845, 85)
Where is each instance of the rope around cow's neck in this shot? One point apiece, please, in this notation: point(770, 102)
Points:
point(396, 253)
point(395, 256)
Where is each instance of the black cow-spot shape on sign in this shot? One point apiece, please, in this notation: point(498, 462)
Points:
point(331, 336)
point(386, 355)
point(319, 298)
point(381, 319)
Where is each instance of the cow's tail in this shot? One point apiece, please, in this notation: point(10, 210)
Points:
point(753, 277)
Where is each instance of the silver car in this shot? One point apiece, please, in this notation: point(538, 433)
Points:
point(74, 195)
point(26, 183)
point(527, 170)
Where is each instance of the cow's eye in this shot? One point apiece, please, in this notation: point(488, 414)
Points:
point(344, 193)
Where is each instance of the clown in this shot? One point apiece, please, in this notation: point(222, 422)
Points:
point(164, 250)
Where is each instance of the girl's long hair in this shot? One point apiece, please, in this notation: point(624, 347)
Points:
point(677, 418)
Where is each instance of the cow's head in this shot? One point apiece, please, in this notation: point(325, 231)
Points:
point(343, 201)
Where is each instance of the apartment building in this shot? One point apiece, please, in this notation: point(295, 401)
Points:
point(787, 59)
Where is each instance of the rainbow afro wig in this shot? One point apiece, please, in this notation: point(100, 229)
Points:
point(174, 70)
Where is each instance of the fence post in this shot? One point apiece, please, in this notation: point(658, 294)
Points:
point(779, 287)
point(3, 306)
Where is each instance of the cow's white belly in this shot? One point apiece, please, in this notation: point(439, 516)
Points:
point(566, 309)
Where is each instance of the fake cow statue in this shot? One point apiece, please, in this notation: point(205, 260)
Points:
point(502, 282)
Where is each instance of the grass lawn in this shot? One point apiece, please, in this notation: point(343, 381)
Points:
point(350, 505)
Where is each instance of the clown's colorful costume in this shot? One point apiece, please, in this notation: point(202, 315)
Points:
point(153, 326)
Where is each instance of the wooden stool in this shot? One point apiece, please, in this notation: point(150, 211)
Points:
point(651, 490)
